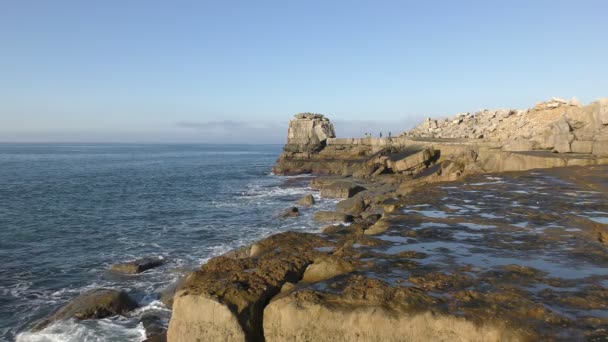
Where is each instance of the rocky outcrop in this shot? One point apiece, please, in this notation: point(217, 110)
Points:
point(424, 261)
point(556, 125)
point(306, 149)
point(308, 132)
point(96, 303)
point(376, 313)
point(137, 266)
point(224, 300)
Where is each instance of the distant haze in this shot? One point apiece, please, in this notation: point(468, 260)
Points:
point(237, 71)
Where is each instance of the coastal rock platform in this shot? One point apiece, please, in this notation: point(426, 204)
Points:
point(443, 236)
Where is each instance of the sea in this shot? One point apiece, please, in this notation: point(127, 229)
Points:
point(70, 211)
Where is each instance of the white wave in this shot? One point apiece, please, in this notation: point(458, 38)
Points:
point(86, 331)
point(488, 183)
point(260, 192)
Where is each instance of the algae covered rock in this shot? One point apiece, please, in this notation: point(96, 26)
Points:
point(224, 300)
point(351, 206)
point(332, 216)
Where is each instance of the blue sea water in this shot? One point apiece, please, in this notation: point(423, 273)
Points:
point(67, 212)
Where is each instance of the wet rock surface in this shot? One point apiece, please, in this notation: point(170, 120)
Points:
point(429, 240)
point(291, 212)
point(137, 266)
point(495, 257)
point(307, 200)
point(96, 303)
point(225, 299)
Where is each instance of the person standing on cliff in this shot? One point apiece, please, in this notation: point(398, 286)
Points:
point(380, 134)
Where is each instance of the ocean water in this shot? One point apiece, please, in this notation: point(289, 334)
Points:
point(67, 212)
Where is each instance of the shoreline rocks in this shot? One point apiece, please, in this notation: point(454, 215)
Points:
point(307, 201)
point(137, 266)
point(291, 212)
point(405, 270)
point(93, 304)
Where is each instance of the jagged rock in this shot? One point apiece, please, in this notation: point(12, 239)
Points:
point(332, 216)
point(96, 303)
point(291, 212)
point(308, 133)
point(546, 126)
point(137, 266)
point(307, 200)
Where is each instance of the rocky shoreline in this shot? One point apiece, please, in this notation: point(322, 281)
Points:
point(490, 226)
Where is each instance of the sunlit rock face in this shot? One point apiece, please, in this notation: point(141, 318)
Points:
point(308, 132)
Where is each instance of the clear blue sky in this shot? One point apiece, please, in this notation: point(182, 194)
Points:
point(181, 71)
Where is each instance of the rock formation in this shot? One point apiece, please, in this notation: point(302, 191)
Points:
point(393, 267)
point(96, 303)
point(308, 132)
point(137, 266)
point(486, 141)
point(557, 125)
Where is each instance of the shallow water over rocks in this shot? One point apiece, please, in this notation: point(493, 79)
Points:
point(520, 248)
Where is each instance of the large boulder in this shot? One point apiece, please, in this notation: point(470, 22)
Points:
point(351, 206)
point(307, 200)
point(341, 189)
point(411, 159)
point(137, 266)
point(332, 216)
point(96, 303)
point(308, 132)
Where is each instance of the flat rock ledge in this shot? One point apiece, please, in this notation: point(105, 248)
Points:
point(289, 319)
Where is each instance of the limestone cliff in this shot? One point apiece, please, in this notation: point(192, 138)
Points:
point(487, 141)
point(308, 132)
point(557, 125)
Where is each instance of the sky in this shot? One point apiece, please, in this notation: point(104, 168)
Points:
point(236, 71)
